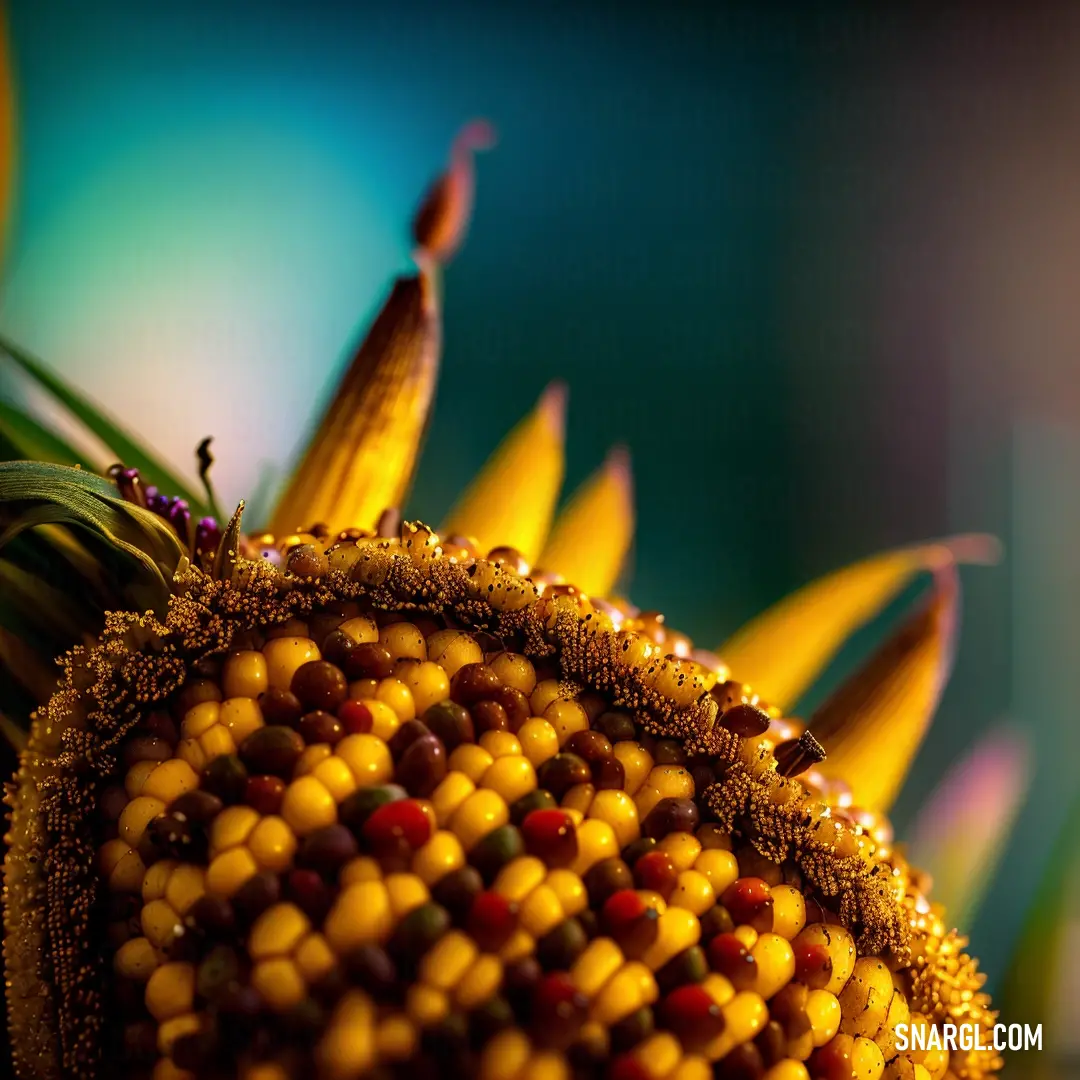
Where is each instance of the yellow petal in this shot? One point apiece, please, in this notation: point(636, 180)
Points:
point(873, 725)
point(440, 223)
point(511, 502)
point(591, 537)
point(7, 129)
point(783, 650)
point(363, 454)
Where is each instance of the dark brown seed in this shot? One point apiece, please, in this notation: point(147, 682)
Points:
point(274, 750)
point(336, 647)
point(422, 767)
point(559, 948)
point(226, 777)
point(220, 968)
point(671, 815)
point(489, 716)
point(309, 892)
point(213, 915)
point(457, 891)
point(592, 746)
point(772, 1042)
point(608, 774)
point(605, 878)
point(320, 685)
point(256, 895)
point(327, 850)
point(113, 801)
point(369, 661)
point(406, 734)
point(320, 727)
point(515, 704)
point(744, 720)
point(146, 748)
point(560, 773)
point(451, 722)
point(743, 1063)
point(198, 806)
point(669, 752)
point(280, 707)
point(631, 1030)
point(617, 726)
point(162, 726)
point(472, 683)
point(372, 969)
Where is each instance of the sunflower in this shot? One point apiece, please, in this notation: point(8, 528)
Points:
point(349, 796)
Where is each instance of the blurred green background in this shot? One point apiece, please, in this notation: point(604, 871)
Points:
point(818, 268)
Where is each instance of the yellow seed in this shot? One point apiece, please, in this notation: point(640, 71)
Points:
point(540, 911)
point(426, 680)
point(308, 806)
point(170, 990)
point(596, 841)
point(362, 629)
point(277, 931)
point(567, 718)
point(159, 923)
point(505, 1055)
point(569, 889)
point(519, 877)
point(823, 1012)
point(136, 816)
point(744, 1016)
point(241, 716)
point(279, 983)
point(166, 1070)
point(312, 756)
point(482, 812)
point(659, 1053)
point(672, 781)
point(788, 1069)
point(898, 1014)
point(453, 649)
point(693, 892)
point(544, 694)
point(692, 1067)
point(747, 935)
point(361, 915)
point(480, 983)
point(631, 988)
point(406, 892)
point(398, 697)
point(173, 1029)
point(618, 810)
point(136, 959)
point(368, 758)
point(865, 999)
point(789, 911)
point(578, 799)
point(190, 751)
point(285, 656)
point(244, 675)
point(336, 777)
point(520, 946)
point(539, 740)
point(515, 670)
point(111, 853)
point(510, 777)
point(637, 763)
point(200, 718)
point(775, 964)
point(441, 855)
point(448, 959)
point(186, 885)
point(719, 866)
point(454, 789)
point(347, 1049)
point(500, 743)
point(683, 847)
point(867, 1061)
point(363, 689)
point(229, 871)
point(403, 640)
point(841, 948)
point(652, 900)
point(546, 1065)
point(232, 827)
point(170, 780)
point(395, 1038)
point(592, 969)
point(128, 871)
point(216, 742)
point(360, 868)
point(678, 929)
point(718, 987)
point(314, 958)
point(136, 776)
point(470, 759)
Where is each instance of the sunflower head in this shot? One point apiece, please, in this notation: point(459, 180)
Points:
point(354, 797)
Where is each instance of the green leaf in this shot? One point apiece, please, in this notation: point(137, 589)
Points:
point(33, 441)
point(122, 445)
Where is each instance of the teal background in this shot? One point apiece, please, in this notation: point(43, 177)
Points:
point(812, 266)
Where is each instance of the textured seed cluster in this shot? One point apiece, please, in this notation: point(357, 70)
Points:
point(363, 836)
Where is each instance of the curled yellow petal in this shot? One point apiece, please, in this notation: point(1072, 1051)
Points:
point(443, 217)
point(783, 650)
point(591, 537)
point(7, 127)
point(512, 500)
point(872, 727)
point(363, 454)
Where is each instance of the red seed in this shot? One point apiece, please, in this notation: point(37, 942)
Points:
point(813, 966)
point(750, 902)
point(264, 793)
point(729, 956)
point(401, 820)
point(656, 871)
point(692, 1015)
point(628, 1067)
point(355, 717)
point(492, 920)
point(550, 835)
point(833, 1060)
